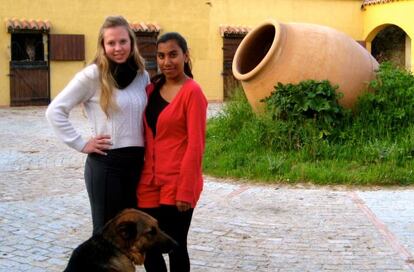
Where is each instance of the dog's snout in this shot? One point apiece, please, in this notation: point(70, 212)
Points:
point(167, 244)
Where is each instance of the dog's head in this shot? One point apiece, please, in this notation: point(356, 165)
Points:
point(135, 232)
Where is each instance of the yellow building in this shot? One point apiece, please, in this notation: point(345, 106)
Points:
point(45, 42)
point(394, 18)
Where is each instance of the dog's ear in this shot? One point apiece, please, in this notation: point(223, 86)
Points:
point(127, 230)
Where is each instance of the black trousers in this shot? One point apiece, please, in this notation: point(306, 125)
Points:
point(176, 224)
point(111, 182)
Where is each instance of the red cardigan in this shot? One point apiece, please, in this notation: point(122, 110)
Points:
point(176, 152)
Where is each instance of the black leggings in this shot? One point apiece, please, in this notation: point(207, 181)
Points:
point(176, 224)
point(111, 182)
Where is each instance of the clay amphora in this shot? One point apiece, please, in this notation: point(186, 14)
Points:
point(289, 53)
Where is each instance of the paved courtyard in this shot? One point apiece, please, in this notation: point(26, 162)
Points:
point(44, 214)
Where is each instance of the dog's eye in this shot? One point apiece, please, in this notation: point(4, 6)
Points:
point(153, 231)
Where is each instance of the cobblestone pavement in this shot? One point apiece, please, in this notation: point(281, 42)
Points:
point(44, 214)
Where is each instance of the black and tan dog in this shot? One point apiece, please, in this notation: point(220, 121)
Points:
point(121, 244)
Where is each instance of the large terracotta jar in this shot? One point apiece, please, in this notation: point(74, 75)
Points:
point(289, 53)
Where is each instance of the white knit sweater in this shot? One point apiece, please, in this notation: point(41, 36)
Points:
point(125, 126)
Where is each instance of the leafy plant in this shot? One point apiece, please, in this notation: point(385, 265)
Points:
point(389, 108)
point(308, 100)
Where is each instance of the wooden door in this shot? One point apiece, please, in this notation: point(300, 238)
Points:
point(230, 83)
point(29, 84)
point(29, 69)
point(147, 45)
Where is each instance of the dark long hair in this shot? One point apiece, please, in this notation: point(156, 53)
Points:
point(159, 79)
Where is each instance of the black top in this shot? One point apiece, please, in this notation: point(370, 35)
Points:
point(155, 106)
point(123, 73)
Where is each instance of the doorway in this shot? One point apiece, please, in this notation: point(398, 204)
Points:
point(29, 69)
point(390, 45)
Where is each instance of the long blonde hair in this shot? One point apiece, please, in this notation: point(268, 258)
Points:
point(106, 79)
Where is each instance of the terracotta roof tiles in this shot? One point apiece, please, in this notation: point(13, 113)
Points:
point(228, 30)
point(145, 27)
point(373, 2)
point(23, 24)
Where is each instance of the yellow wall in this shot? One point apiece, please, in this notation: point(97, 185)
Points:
point(197, 20)
point(400, 13)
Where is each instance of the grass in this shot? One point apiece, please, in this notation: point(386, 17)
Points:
point(374, 145)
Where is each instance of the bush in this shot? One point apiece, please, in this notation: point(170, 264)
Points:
point(389, 108)
point(308, 104)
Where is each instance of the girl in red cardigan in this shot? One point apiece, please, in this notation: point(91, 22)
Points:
point(175, 123)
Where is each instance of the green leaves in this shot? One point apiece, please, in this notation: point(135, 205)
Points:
point(389, 108)
point(310, 99)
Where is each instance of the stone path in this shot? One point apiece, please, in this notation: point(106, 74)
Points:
point(44, 214)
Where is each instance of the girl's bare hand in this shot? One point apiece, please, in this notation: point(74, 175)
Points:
point(98, 145)
point(183, 206)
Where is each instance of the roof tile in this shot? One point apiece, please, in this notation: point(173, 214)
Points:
point(145, 27)
point(23, 24)
point(229, 30)
point(373, 2)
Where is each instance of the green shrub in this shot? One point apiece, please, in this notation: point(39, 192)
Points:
point(308, 104)
point(389, 108)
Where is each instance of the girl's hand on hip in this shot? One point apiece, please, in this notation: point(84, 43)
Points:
point(98, 144)
point(183, 206)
